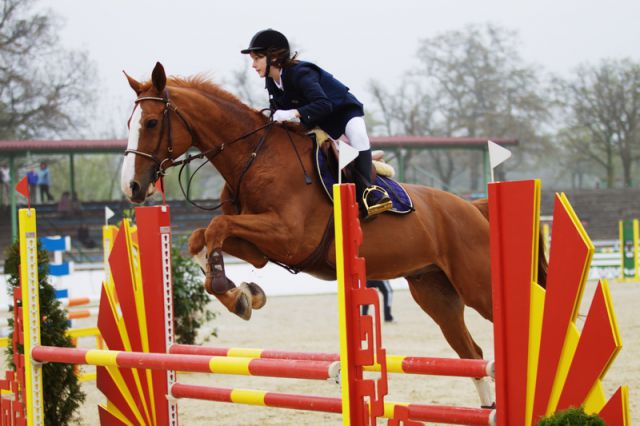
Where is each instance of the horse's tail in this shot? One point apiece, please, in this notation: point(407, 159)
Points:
point(483, 206)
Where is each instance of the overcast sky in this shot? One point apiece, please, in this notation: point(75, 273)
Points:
point(355, 40)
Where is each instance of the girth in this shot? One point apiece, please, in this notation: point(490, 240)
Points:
point(318, 256)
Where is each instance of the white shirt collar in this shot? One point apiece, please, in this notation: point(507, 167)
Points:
point(278, 83)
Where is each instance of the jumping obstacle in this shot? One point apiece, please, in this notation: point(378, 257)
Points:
point(71, 315)
point(543, 363)
point(74, 333)
point(400, 364)
point(629, 250)
point(293, 369)
point(140, 302)
point(523, 325)
point(65, 302)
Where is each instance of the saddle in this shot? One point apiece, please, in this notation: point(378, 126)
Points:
point(330, 150)
point(326, 165)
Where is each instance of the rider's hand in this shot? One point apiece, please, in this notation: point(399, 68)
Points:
point(285, 115)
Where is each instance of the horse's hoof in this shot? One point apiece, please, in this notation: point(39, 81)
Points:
point(243, 306)
point(258, 297)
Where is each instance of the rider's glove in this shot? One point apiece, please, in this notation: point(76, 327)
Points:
point(285, 115)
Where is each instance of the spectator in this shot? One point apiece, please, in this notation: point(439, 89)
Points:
point(387, 296)
point(76, 205)
point(65, 208)
point(32, 180)
point(44, 182)
point(85, 238)
point(4, 184)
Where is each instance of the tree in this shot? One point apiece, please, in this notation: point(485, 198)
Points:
point(43, 87)
point(409, 111)
point(576, 162)
point(63, 394)
point(189, 297)
point(603, 103)
point(473, 83)
point(483, 87)
point(247, 87)
point(571, 416)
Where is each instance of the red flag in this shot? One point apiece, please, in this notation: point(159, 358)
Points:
point(23, 188)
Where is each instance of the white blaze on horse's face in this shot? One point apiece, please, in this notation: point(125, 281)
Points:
point(129, 163)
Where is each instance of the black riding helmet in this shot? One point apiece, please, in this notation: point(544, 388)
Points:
point(265, 42)
point(268, 39)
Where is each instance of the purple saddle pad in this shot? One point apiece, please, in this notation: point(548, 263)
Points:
point(328, 174)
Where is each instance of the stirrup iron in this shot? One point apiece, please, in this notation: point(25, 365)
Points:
point(384, 205)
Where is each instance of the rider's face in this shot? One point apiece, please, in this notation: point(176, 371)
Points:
point(259, 63)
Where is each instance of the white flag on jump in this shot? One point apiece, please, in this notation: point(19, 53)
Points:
point(108, 214)
point(497, 155)
point(347, 155)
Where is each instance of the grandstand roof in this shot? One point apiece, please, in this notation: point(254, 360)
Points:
point(9, 147)
point(62, 146)
point(408, 141)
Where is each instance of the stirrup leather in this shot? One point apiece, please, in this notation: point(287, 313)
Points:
point(384, 204)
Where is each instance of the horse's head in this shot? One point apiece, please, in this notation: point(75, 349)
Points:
point(158, 134)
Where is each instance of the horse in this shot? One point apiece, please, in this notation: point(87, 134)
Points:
point(272, 210)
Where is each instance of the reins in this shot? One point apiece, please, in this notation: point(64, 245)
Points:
point(169, 161)
point(217, 150)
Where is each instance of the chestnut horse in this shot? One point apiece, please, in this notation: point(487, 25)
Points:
point(271, 214)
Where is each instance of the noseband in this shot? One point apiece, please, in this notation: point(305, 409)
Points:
point(168, 107)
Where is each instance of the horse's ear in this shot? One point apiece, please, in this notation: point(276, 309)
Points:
point(158, 77)
point(135, 84)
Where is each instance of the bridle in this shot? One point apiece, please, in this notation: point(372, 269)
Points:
point(210, 153)
point(168, 107)
point(169, 161)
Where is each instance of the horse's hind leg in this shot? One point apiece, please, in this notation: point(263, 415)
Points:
point(436, 296)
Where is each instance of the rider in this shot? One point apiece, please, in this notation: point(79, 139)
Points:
point(302, 90)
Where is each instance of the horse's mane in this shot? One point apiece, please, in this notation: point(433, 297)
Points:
point(201, 83)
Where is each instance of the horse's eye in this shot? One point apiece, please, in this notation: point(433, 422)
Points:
point(151, 124)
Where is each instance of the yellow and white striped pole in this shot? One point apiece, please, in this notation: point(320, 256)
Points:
point(31, 313)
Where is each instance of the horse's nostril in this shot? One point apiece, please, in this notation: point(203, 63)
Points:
point(134, 186)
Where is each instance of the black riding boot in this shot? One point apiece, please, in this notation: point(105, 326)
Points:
point(372, 199)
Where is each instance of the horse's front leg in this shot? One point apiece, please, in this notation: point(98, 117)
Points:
point(234, 246)
point(259, 230)
point(234, 300)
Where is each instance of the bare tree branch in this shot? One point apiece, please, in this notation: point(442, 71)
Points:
point(603, 101)
point(44, 89)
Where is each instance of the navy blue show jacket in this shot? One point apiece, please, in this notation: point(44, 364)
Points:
point(319, 97)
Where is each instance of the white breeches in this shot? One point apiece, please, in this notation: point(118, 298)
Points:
point(356, 131)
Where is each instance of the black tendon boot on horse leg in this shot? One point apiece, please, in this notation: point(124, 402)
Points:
point(372, 199)
point(235, 299)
